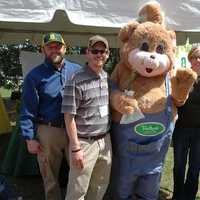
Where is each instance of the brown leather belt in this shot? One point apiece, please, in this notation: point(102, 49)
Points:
point(95, 137)
point(53, 124)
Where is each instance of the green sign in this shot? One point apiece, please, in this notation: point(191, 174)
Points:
point(149, 128)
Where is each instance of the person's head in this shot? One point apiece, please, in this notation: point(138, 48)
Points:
point(54, 48)
point(194, 58)
point(97, 52)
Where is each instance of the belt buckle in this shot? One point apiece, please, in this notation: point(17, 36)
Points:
point(96, 137)
point(90, 138)
point(62, 125)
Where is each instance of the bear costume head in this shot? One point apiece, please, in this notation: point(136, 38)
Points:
point(147, 56)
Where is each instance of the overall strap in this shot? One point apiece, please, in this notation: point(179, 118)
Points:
point(167, 85)
point(168, 94)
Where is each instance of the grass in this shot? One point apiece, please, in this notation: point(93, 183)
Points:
point(4, 92)
point(167, 178)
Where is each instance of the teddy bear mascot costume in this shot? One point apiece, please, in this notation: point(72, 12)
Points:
point(144, 105)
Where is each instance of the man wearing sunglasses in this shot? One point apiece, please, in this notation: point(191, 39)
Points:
point(86, 109)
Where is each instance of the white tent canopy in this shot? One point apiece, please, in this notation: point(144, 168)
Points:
point(79, 19)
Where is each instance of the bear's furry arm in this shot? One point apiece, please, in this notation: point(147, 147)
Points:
point(118, 100)
point(122, 103)
point(182, 81)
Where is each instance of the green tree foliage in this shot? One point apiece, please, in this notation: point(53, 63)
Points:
point(10, 67)
point(112, 61)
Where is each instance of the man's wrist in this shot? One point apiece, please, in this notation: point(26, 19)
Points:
point(75, 145)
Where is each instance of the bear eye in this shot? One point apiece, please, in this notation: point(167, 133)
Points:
point(144, 46)
point(160, 48)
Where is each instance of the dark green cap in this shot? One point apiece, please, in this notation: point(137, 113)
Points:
point(52, 37)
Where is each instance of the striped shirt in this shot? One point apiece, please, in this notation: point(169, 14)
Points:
point(86, 97)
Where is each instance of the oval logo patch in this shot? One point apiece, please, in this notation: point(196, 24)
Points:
point(149, 128)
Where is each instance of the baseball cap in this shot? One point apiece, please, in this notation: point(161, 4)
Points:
point(97, 38)
point(52, 37)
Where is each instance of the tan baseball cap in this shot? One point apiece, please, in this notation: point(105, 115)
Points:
point(97, 38)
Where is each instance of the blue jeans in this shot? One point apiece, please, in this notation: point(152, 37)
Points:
point(186, 142)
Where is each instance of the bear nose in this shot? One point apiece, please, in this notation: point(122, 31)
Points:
point(152, 56)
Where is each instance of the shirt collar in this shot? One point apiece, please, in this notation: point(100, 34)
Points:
point(49, 65)
point(101, 75)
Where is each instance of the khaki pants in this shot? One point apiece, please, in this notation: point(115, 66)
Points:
point(54, 142)
point(96, 172)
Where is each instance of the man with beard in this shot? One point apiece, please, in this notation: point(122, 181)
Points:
point(42, 122)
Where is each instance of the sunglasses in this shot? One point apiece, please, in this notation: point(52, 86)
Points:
point(96, 51)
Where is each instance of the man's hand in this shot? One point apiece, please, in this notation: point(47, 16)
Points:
point(77, 155)
point(78, 159)
point(34, 147)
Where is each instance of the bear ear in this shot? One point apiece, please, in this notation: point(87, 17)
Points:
point(172, 35)
point(151, 11)
point(126, 31)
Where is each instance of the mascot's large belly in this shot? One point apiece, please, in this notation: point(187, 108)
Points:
point(143, 144)
point(144, 132)
point(151, 97)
